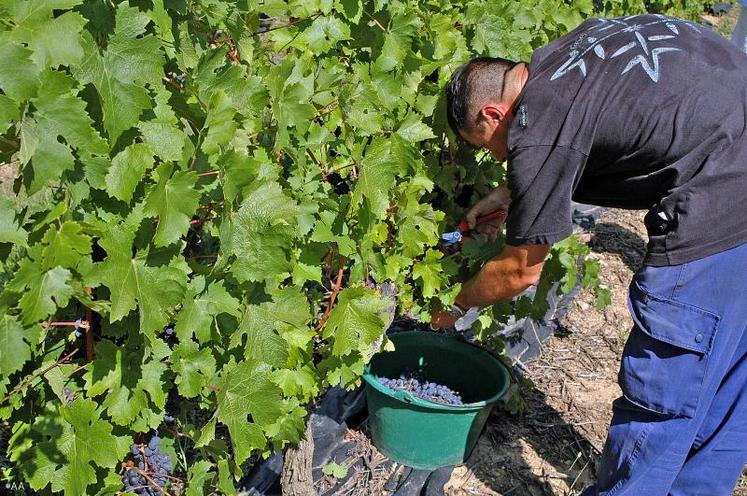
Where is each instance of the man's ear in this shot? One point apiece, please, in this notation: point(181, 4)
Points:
point(493, 113)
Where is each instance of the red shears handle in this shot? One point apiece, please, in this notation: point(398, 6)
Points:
point(501, 214)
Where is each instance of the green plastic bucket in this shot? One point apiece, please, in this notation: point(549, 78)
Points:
point(426, 435)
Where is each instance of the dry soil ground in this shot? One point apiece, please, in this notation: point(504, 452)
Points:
point(552, 447)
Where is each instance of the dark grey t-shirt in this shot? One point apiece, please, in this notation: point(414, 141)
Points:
point(640, 112)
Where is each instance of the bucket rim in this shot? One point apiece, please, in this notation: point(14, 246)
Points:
point(411, 399)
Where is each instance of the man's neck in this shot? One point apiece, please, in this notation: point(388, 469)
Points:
point(516, 78)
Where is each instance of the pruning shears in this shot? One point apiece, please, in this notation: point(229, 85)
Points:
point(454, 237)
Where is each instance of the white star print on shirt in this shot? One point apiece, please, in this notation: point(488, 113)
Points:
point(605, 37)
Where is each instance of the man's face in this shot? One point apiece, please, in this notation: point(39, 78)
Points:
point(490, 132)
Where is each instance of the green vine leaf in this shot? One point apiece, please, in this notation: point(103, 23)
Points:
point(127, 170)
point(199, 475)
point(131, 57)
point(59, 114)
point(261, 231)
point(433, 272)
point(220, 123)
point(194, 367)
point(335, 470)
point(45, 290)
point(173, 200)
point(265, 324)
point(18, 79)
point(14, 350)
point(355, 322)
point(245, 389)
point(111, 373)
point(200, 309)
point(67, 460)
point(66, 246)
point(134, 284)
point(413, 129)
point(55, 41)
point(10, 229)
point(377, 177)
point(324, 33)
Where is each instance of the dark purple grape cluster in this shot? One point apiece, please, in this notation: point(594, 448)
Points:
point(155, 464)
point(414, 382)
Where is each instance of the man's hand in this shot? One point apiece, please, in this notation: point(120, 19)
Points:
point(441, 319)
point(500, 197)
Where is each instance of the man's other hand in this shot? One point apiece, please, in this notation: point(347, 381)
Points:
point(499, 198)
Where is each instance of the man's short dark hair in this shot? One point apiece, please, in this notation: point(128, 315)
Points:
point(476, 83)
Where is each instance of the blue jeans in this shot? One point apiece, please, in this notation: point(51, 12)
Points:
point(739, 37)
point(680, 428)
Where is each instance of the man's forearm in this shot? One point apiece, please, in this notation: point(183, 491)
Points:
point(504, 277)
point(496, 281)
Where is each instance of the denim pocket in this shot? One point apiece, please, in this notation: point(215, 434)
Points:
point(666, 356)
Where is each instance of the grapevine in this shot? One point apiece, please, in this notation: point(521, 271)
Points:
point(211, 203)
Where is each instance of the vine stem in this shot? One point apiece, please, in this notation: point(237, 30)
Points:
point(77, 369)
point(313, 157)
point(83, 324)
point(288, 24)
point(376, 21)
point(147, 469)
point(145, 457)
point(200, 221)
point(332, 299)
point(209, 206)
point(184, 456)
point(329, 172)
point(194, 154)
point(42, 372)
point(173, 478)
point(175, 432)
point(157, 486)
point(89, 328)
point(132, 489)
point(208, 173)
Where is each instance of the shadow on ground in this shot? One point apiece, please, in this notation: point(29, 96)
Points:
point(615, 239)
point(529, 454)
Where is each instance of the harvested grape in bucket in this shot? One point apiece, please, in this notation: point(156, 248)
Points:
point(414, 382)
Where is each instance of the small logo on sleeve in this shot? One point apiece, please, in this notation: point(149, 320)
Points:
point(523, 115)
